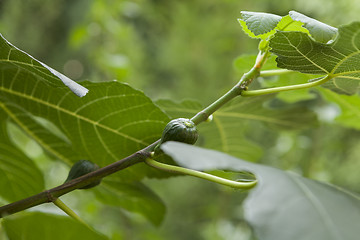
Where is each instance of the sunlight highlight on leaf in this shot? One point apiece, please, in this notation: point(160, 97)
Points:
point(264, 25)
point(259, 25)
point(19, 175)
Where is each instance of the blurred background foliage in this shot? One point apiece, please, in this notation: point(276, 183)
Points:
point(179, 50)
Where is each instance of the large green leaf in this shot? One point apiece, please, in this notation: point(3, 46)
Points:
point(108, 124)
point(13, 58)
point(111, 122)
point(122, 185)
point(19, 176)
point(339, 59)
point(35, 226)
point(227, 130)
point(283, 205)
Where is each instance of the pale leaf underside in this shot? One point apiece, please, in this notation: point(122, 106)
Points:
point(327, 212)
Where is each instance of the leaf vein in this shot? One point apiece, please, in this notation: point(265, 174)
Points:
point(318, 206)
point(70, 113)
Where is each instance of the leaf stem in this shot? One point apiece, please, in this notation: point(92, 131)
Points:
point(285, 88)
point(205, 113)
point(242, 85)
point(60, 204)
point(274, 72)
point(170, 168)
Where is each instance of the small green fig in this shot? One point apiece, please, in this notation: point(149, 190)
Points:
point(81, 168)
point(180, 130)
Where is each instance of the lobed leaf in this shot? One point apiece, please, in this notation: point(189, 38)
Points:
point(327, 212)
point(108, 124)
point(64, 146)
point(339, 59)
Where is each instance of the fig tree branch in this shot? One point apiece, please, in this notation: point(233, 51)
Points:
point(140, 156)
point(241, 86)
point(52, 194)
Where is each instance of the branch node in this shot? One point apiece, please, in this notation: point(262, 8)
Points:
point(50, 197)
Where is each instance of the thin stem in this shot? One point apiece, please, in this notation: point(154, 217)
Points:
point(206, 176)
point(60, 204)
point(274, 72)
point(285, 88)
point(242, 85)
point(206, 113)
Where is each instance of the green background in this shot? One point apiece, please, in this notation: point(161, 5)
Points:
point(178, 50)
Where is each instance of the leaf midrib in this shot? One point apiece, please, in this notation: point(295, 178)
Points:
point(341, 61)
point(30, 133)
point(312, 62)
point(40, 68)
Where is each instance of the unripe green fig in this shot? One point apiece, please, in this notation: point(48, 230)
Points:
point(81, 168)
point(180, 130)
